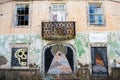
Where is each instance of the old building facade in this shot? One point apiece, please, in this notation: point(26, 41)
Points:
point(60, 36)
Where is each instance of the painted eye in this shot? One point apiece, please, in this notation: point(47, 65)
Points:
point(20, 53)
point(59, 54)
point(26, 53)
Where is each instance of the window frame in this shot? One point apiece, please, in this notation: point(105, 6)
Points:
point(20, 45)
point(55, 11)
point(94, 14)
point(15, 25)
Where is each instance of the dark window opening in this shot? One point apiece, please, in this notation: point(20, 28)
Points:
point(22, 15)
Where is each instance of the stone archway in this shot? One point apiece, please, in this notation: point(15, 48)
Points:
point(59, 59)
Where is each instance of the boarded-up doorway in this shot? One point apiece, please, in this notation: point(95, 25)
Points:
point(99, 61)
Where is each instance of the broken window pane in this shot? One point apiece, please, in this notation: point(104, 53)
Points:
point(95, 14)
point(22, 15)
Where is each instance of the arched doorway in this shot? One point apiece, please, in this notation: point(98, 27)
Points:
point(59, 59)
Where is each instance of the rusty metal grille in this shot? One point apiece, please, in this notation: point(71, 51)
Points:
point(58, 30)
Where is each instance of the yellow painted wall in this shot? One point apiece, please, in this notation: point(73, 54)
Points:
point(76, 11)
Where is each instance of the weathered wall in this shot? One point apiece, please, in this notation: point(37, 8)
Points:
point(112, 15)
point(35, 46)
point(83, 48)
point(114, 47)
point(75, 11)
point(5, 18)
point(81, 45)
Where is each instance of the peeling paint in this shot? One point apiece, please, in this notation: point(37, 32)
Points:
point(81, 42)
point(33, 39)
point(114, 48)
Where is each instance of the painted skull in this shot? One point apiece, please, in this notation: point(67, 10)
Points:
point(21, 55)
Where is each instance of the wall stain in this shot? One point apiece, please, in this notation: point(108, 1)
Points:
point(81, 43)
point(3, 60)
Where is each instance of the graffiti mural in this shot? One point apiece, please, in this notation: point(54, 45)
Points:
point(33, 40)
point(59, 64)
point(3, 60)
point(58, 59)
point(114, 48)
point(19, 56)
point(81, 43)
point(99, 61)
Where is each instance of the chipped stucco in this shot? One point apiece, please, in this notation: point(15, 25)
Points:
point(33, 40)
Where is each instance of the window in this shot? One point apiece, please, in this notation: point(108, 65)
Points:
point(58, 12)
point(22, 15)
point(95, 14)
point(19, 55)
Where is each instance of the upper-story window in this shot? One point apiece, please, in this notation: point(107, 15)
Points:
point(58, 12)
point(95, 14)
point(22, 15)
